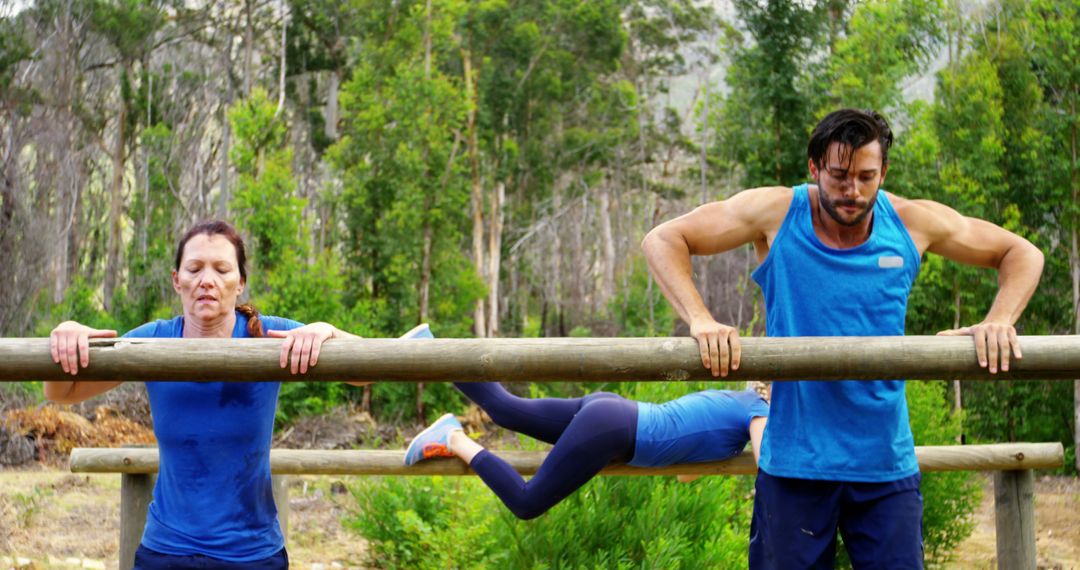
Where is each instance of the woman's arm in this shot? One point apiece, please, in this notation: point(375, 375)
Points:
point(302, 345)
point(73, 392)
point(69, 344)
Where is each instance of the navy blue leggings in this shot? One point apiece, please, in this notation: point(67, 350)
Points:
point(588, 434)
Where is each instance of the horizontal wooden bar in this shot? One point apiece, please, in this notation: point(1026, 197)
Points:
point(993, 457)
point(541, 359)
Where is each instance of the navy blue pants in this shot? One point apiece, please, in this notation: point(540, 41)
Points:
point(146, 559)
point(796, 520)
point(588, 433)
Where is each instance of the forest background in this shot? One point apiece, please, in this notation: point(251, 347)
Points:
point(490, 167)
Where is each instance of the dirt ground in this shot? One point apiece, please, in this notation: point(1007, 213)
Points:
point(55, 519)
point(1057, 527)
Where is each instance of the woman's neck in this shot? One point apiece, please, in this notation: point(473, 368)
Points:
point(218, 327)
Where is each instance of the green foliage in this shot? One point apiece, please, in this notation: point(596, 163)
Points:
point(20, 394)
point(14, 50)
point(949, 499)
point(427, 522)
point(82, 303)
point(283, 279)
point(641, 309)
point(885, 41)
point(265, 200)
point(771, 90)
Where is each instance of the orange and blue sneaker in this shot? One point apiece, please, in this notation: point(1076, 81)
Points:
point(433, 441)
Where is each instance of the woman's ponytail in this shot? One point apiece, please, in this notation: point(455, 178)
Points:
point(254, 326)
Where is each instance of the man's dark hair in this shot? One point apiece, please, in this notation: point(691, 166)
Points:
point(853, 129)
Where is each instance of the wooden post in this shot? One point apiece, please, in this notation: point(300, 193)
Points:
point(136, 492)
point(1014, 504)
point(281, 499)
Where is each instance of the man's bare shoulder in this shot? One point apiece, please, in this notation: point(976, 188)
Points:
point(924, 216)
point(763, 204)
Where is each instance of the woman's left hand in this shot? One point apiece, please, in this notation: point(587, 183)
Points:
point(303, 343)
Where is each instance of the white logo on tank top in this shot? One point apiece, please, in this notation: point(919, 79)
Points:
point(889, 261)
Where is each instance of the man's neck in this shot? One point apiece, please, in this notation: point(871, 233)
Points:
point(220, 327)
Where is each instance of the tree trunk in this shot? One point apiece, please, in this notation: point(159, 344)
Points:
point(703, 262)
point(224, 196)
point(249, 45)
point(577, 262)
point(425, 286)
point(555, 255)
point(608, 278)
point(281, 75)
point(74, 232)
point(425, 270)
point(331, 127)
point(477, 193)
point(1074, 270)
point(116, 209)
point(145, 228)
point(427, 39)
point(495, 257)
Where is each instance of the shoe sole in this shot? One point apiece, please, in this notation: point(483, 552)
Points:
point(421, 434)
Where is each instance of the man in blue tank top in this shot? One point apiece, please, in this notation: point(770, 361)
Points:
point(838, 258)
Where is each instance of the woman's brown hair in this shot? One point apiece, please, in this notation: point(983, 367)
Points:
point(224, 229)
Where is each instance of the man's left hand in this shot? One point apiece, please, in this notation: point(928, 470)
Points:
point(993, 341)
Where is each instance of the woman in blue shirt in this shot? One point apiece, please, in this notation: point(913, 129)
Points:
point(213, 506)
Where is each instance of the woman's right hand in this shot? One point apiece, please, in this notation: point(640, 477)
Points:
point(70, 345)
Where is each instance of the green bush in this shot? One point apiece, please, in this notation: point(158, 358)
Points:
point(421, 523)
point(949, 499)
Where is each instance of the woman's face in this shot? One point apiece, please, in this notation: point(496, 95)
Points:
point(208, 280)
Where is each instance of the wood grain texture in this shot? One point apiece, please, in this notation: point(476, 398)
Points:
point(136, 492)
point(541, 360)
point(1014, 514)
point(993, 457)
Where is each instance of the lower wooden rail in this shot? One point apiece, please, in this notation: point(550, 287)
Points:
point(1012, 463)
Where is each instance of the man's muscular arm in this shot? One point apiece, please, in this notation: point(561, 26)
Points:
point(716, 227)
point(940, 229)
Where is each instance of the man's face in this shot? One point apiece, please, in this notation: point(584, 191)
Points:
point(849, 181)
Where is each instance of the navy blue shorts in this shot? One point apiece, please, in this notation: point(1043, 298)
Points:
point(796, 520)
point(146, 559)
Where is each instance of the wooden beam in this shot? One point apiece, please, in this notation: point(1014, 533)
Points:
point(541, 360)
point(1001, 456)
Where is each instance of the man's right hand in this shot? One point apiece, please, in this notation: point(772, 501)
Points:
point(719, 345)
point(69, 343)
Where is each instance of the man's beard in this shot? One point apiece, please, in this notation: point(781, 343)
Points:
point(831, 208)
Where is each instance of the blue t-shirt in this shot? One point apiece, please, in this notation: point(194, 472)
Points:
point(838, 430)
point(703, 426)
point(213, 494)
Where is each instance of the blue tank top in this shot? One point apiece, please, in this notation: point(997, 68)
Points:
point(838, 430)
point(213, 493)
point(703, 426)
